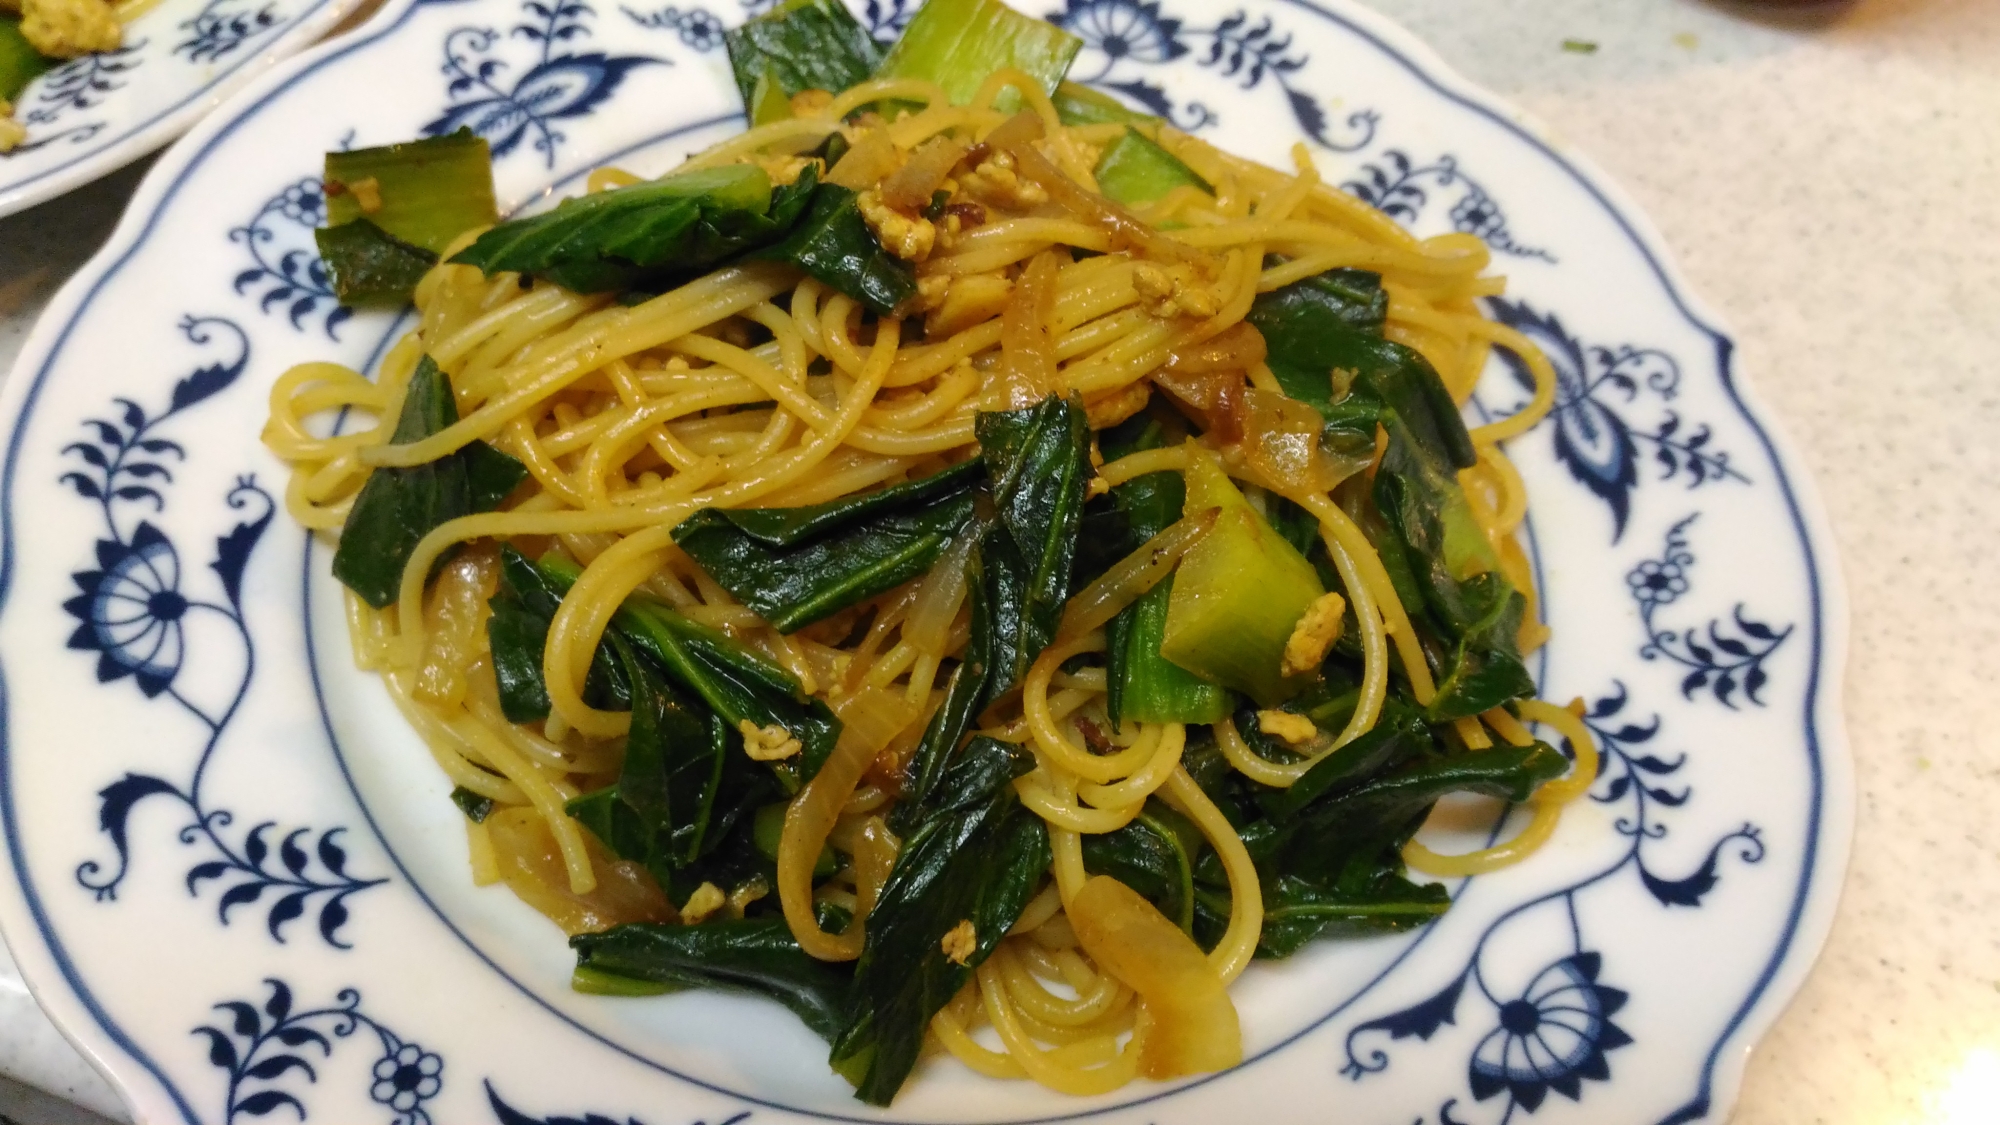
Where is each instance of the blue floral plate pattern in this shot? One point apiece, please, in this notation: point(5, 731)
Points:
point(239, 887)
point(92, 115)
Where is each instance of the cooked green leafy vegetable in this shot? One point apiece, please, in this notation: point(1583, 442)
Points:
point(475, 807)
point(684, 784)
point(798, 565)
point(965, 694)
point(795, 566)
point(1326, 833)
point(757, 955)
point(1326, 331)
point(741, 684)
point(1369, 899)
point(737, 683)
point(975, 858)
point(647, 233)
point(1328, 849)
point(399, 506)
point(369, 266)
point(518, 631)
point(393, 209)
point(957, 43)
point(833, 243)
point(1038, 464)
point(797, 46)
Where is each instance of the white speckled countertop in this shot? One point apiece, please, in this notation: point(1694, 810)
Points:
point(1829, 176)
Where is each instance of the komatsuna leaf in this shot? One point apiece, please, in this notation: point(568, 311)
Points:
point(1387, 810)
point(1038, 464)
point(1398, 737)
point(795, 566)
point(801, 45)
point(737, 683)
point(648, 233)
point(1484, 668)
point(1447, 573)
point(677, 772)
point(977, 858)
point(399, 506)
point(791, 527)
point(833, 244)
point(1298, 911)
point(757, 955)
point(1325, 345)
point(1324, 336)
point(517, 633)
point(370, 267)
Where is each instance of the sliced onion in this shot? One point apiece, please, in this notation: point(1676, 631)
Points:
point(1133, 575)
point(1239, 348)
point(870, 719)
point(1027, 347)
point(1280, 443)
point(1195, 1028)
point(911, 188)
point(873, 157)
point(525, 852)
point(938, 599)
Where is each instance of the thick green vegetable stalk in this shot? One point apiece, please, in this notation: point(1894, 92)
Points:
point(1077, 104)
point(1238, 595)
point(958, 43)
point(1141, 684)
point(425, 192)
point(392, 210)
point(1135, 170)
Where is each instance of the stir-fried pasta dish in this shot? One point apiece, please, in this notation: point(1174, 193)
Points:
point(960, 559)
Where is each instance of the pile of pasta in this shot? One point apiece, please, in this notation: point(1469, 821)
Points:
point(757, 387)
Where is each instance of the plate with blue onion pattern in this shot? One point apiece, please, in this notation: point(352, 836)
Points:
point(89, 116)
point(237, 883)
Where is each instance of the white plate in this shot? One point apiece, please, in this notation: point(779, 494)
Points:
point(96, 114)
point(239, 886)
